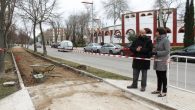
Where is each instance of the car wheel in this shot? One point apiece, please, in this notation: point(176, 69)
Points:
point(98, 51)
point(110, 52)
point(122, 53)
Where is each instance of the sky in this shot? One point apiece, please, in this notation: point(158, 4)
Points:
point(68, 7)
point(75, 6)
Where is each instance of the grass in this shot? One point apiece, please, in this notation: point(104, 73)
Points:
point(5, 91)
point(92, 70)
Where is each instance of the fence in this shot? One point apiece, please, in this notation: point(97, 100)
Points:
point(176, 59)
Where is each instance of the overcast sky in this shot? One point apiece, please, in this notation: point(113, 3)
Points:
point(69, 7)
point(75, 6)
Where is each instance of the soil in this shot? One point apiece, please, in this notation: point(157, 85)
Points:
point(70, 91)
point(25, 59)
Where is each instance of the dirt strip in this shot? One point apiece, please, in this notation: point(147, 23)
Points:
point(70, 91)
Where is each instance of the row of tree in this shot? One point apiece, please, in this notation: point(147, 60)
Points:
point(6, 14)
point(189, 24)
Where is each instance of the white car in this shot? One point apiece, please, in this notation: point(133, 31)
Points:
point(111, 48)
point(92, 47)
point(65, 45)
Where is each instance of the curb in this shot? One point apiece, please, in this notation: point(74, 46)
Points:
point(21, 81)
point(157, 104)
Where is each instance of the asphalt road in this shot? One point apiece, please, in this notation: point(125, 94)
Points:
point(123, 66)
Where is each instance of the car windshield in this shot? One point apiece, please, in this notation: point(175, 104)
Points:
point(117, 45)
point(192, 47)
point(96, 45)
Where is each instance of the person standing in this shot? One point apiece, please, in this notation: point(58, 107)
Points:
point(142, 48)
point(161, 52)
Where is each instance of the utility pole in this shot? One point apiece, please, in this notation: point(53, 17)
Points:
point(92, 21)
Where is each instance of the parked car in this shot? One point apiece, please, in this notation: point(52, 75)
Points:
point(55, 45)
point(92, 47)
point(111, 48)
point(65, 45)
point(38, 45)
point(125, 51)
point(188, 51)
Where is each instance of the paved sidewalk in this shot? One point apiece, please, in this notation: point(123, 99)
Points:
point(17, 101)
point(177, 99)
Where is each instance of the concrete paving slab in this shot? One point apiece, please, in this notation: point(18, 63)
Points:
point(17, 101)
point(177, 99)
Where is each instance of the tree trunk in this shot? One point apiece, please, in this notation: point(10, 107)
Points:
point(56, 35)
point(43, 39)
point(2, 43)
point(34, 36)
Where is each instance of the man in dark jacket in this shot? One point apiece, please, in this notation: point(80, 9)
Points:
point(142, 48)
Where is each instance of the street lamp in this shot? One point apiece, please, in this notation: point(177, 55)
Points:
point(91, 3)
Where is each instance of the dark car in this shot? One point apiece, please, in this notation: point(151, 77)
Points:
point(55, 45)
point(125, 51)
point(188, 51)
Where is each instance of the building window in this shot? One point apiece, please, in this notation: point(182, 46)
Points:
point(117, 32)
point(130, 31)
point(132, 15)
point(127, 16)
point(149, 14)
point(143, 14)
point(107, 33)
point(181, 30)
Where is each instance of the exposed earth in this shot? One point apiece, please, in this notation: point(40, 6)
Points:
point(70, 91)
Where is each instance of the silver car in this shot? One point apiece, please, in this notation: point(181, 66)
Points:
point(92, 47)
point(111, 48)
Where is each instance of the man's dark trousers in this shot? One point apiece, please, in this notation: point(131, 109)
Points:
point(136, 73)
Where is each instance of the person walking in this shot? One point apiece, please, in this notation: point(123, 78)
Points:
point(142, 48)
point(161, 52)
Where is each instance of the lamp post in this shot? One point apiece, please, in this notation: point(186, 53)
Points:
point(91, 3)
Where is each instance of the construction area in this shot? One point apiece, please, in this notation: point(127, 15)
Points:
point(62, 89)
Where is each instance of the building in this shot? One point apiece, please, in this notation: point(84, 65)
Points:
point(148, 20)
point(50, 34)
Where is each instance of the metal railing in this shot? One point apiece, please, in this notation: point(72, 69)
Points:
point(176, 59)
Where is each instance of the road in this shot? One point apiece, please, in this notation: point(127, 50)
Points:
point(123, 66)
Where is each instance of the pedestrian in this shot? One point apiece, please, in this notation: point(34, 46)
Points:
point(142, 48)
point(161, 52)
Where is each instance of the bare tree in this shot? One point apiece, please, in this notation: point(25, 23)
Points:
point(45, 12)
point(6, 15)
point(76, 27)
point(28, 29)
point(38, 11)
point(166, 5)
point(114, 9)
point(55, 24)
point(68, 29)
point(29, 10)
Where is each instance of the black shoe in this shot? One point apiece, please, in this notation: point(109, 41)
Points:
point(143, 89)
point(132, 87)
point(155, 92)
point(162, 94)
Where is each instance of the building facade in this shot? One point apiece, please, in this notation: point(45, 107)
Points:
point(148, 20)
